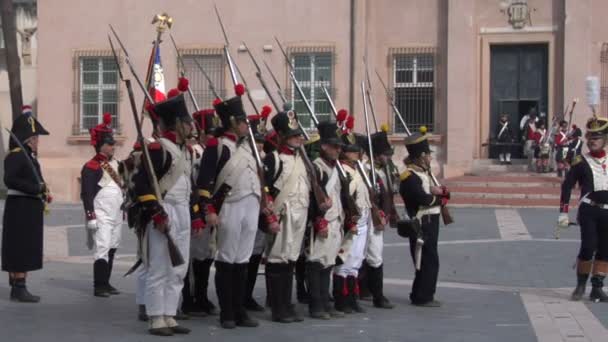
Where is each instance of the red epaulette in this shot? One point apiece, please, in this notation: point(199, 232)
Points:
point(137, 146)
point(212, 142)
point(154, 146)
point(93, 165)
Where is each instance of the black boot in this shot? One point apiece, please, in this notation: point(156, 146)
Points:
point(301, 290)
point(376, 280)
point(291, 308)
point(111, 254)
point(201, 270)
point(329, 307)
point(252, 275)
point(189, 305)
point(239, 284)
point(597, 292)
point(316, 308)
point(364, 291)
point(351, 299)
point(100, 278)
point(19, 292)
point(223, 286)
point(581, 283)
point(340, 292)
point(141, 313)
point(276, 275)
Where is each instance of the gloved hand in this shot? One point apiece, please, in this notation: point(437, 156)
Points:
point(91, 228)
point(563, 220)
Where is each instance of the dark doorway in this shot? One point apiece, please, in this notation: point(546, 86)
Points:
point(518, 82)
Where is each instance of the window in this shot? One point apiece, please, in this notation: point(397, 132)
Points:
point(213, 64)
point(98, 87)
point(414, 83)
point(313, 71)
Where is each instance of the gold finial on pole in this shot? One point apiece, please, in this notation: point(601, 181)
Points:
point(162, 21)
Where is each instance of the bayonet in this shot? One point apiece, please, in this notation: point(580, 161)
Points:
point(392, 101)
point(276, 82)
point(369, 94)
point(258, 74)
point(255, 108)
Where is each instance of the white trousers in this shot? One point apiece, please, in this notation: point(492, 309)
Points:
point(238, 226)
point(164, 283)
point(325, 250)
point(356, 253)
point(140, 286)
point(109, 221)
point(375, 247)
point(286, 245)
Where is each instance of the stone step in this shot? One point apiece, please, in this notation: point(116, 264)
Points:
point(532, 192)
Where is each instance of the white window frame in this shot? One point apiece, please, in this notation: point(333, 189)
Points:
point(310, 84)
point(99, 87)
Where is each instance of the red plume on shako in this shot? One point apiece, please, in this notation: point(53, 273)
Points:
point(341, 116)
point(239, 89)
point(266, 110)
point(173, 93)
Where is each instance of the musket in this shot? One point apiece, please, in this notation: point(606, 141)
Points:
point(350, 205)
point(373, 190)
point(258, 74)
point(174, 253)
point(318, 191)
point(392, 101)
point(265, 201)
point(183, 72)
point(574, 101)
point(30, 163)
point(369, 94)
point(276, 82)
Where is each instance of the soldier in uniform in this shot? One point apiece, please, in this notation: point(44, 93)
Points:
point(171, 162)
point(327, 224)
point(504, 137)
point(345, 275)
point(422, 201)
point(561, 142)
point(575, 144)
point(22, 233)
point(383, 152)
point(231, 190)
point(202, 251)
point(589, 171)
point(289, 184)
point(102, 197)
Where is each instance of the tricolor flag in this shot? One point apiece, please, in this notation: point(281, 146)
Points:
point(157, 83)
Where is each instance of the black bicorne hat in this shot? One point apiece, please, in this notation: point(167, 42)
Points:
point(329, 133)
point(286, 124)
point(171, 110)
point(26, 126)
point(416, 144)
point(597, 127)
point(380, 144)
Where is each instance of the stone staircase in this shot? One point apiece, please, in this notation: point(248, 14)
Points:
point(494, 185)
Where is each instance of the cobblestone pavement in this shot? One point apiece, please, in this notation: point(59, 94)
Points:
point(504, 277)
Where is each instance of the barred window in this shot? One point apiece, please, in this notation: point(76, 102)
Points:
point(313, 71)
point(214, 65)
point(414, 83)
point(98, 91)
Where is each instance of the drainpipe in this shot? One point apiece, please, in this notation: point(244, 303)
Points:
point(351, 75)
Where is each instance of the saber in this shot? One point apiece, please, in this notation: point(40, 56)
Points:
point(183, 72)
point(276, 82)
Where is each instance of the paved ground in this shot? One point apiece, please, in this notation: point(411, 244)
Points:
point(503, 278)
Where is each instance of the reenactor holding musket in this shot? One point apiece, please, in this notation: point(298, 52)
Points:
point(423, 201)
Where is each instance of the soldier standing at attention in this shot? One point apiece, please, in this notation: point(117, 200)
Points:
point(102, 197)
